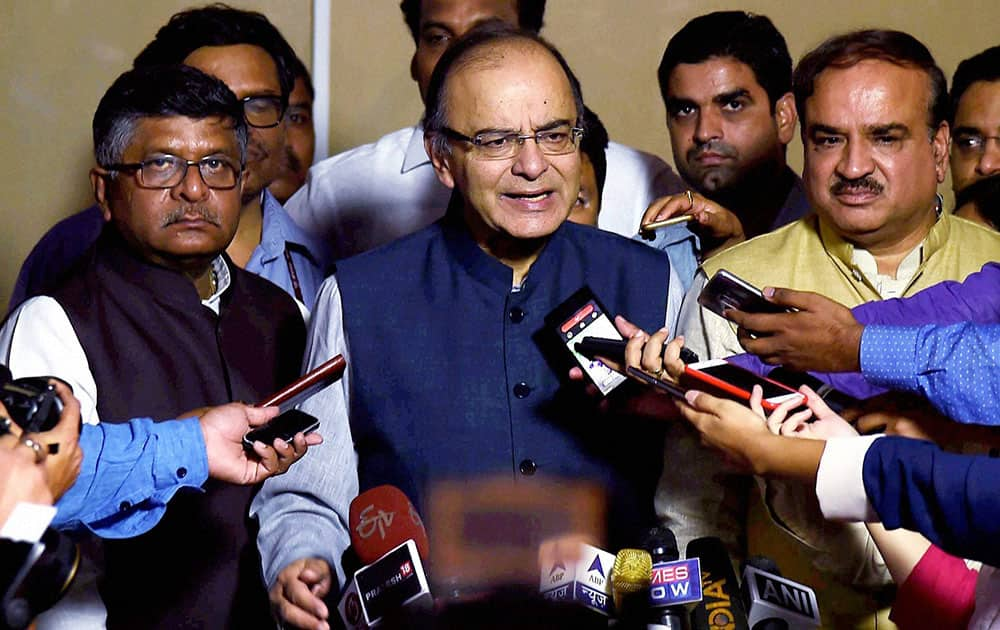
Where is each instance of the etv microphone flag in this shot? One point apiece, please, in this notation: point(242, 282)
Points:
point(585, 581)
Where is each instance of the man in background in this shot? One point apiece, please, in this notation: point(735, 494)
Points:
point(300, 136)
point(247, 52)
point(376, 193)
point(975, 136)
point(726, 82)
point(157, 320)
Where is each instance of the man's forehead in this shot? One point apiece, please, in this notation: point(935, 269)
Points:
point(460, 15)
point(247, 69)
point(868, 93)
point(183, 135)
point(979, 105)
point(712, 76)
point(509, 75)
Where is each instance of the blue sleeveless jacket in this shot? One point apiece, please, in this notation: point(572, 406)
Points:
point(452, 374)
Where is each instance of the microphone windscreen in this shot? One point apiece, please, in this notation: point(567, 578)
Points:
point(632, 571)
point(381, 519)
point(721, 604)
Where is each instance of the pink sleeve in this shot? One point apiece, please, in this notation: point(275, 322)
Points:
point(940, 592)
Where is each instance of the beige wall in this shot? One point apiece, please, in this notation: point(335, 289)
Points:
point(58, 56)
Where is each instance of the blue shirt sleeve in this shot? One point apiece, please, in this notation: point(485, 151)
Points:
point(129, 473)
point(957, 367)
point(975, 299)
point(950, 499)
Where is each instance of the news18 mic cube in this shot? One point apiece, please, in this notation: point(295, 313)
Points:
point(395, 580)
point(585, 581)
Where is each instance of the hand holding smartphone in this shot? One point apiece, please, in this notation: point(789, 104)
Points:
point(725, 290)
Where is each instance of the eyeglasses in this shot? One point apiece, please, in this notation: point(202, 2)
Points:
point(263, 111)
point(166, 171)
point(497, 145)
point(973, 144)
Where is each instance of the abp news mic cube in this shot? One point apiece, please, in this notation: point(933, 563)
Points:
point(585, 582)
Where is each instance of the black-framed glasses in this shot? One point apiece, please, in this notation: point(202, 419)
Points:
point(166, 171)
point(499, 145)
point(263, 111)
point(972, 143)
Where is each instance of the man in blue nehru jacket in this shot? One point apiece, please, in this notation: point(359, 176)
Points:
point(446, 377)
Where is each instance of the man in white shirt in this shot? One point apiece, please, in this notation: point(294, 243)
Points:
point(373, 194)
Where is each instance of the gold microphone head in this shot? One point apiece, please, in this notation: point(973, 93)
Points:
point(631, 573)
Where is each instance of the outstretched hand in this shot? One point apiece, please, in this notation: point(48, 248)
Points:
point(718, 227)
point(223, 428)
point(821, 335)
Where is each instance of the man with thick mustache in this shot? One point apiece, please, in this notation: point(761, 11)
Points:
point(875, 132)
point(155, 321)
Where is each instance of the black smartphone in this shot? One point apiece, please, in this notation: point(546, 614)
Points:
point(580, 316)
point(284, 426)
point(726, 290)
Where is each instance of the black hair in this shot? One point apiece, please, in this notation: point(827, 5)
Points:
point(746, 37)
point(530, 14)
point(486, 34)
point(157, 91)
point(982, 67)
point(594, 145)
point(849, 49)
point(985, 195)
point(219, 25)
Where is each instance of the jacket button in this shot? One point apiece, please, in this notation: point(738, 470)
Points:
point(528, 467)
point(516, 314)
point(521, 390)
point(124, 505)
point(182, 472)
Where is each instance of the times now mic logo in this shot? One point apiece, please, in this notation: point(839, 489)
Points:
point(672, 583)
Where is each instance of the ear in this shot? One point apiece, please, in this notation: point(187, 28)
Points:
point(940, 143)
point(413, 66)
point(99, 184)
point(785, 117)
point(441, 162)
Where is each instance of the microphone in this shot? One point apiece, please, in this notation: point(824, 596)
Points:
point(381, 519)
point(775, 602)
point(673, 582)
point(584, 582)
point(721, 606)
point(630, 578)
point(387, 535)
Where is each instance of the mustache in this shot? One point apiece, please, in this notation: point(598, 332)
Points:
point(183, 214)
point(712, 146)
point(861, 184)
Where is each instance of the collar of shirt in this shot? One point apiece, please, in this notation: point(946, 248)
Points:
point(843, 251)
point(416, 154)
point(220, 271)
point(278, 229)
point(887, 286)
